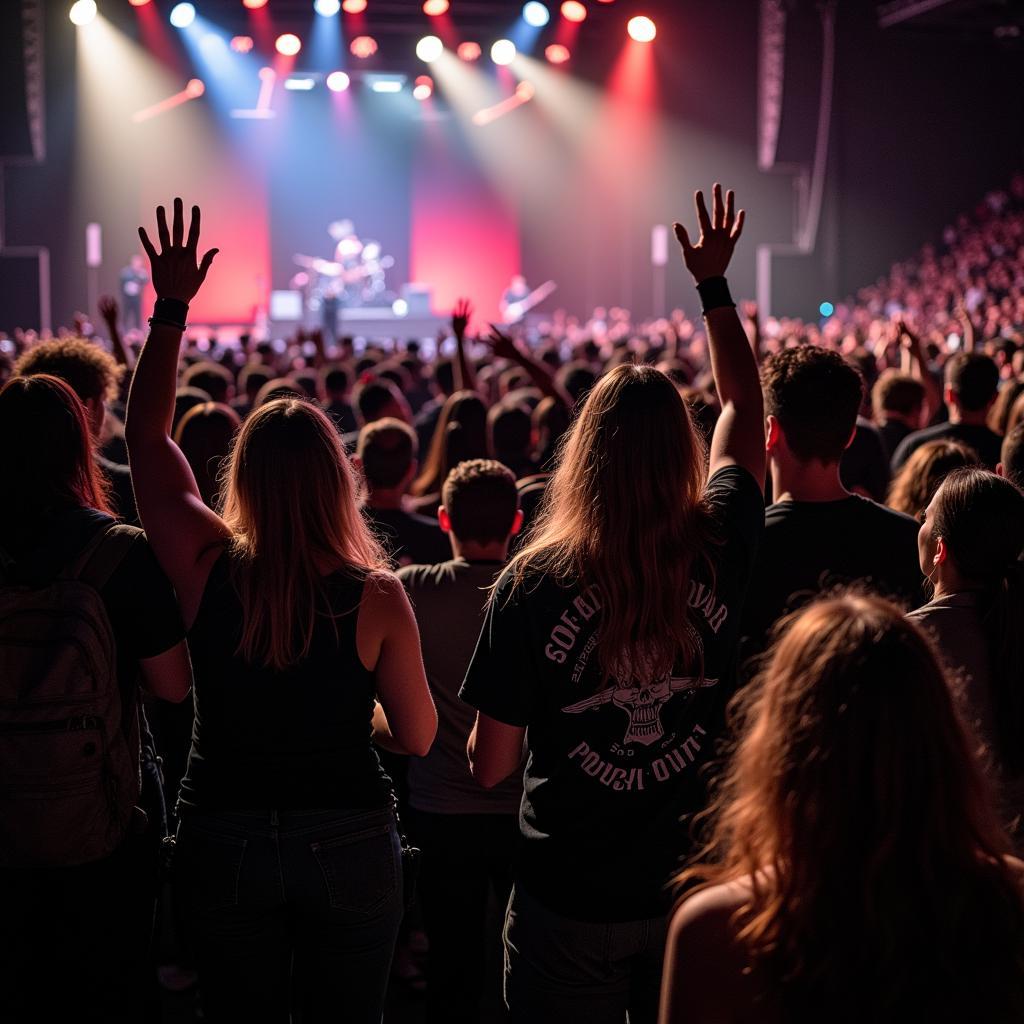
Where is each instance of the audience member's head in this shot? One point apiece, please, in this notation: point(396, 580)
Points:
point(854, 794)
point(551, 422)
point(919, 477)
point(184, 400)
point(898, 396)
point(510, 434)
point(335, 383)
point(387, 452)
point(577, 378)
point(48, 458)
point(308, 382)
point(811, 399)
point(90, 372)
point(379, 398)
point(211, 377)
point(204, 435)
point(480, 505)
point(277, 388)
point(251, 378)
point(460, 434)
point(1011, 461)
point(972, 381)
point(1002, 408)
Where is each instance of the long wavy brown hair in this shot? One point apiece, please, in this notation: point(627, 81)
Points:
point(460, 435)
point(291, 503)
point(853, 807)
point(919, 477)
point(624, 512)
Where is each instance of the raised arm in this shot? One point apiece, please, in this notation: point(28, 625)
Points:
point(465, 378)
point(108, 310)
point(180, 528)
point(739, 434)
point(914, 362)
point(504, 347)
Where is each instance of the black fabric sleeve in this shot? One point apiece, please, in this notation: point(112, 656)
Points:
point(143, 609)
point(736, 501)
point(500, 680)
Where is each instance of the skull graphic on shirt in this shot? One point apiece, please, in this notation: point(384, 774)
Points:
point(643, 704)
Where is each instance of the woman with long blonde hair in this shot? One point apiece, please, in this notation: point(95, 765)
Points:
point(608, 649)
point(303, 647)
point(857, 869)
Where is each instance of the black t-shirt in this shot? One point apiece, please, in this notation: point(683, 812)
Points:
point(893, 432)
point(138, 597)
point(410, 539)
point(985, 442)
point(809, 547)
point(613, 771)
point(865, 463)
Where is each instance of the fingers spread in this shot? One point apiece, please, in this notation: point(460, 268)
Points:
point(147, 244)
point(682, 237)
point(717, 218)
point(702, 212)
point(193, 228)
point(207, 260)
point(740, 217)
point(730, 209)
point(178, 224)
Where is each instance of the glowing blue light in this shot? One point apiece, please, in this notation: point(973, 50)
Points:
point(327, 8)
point(182, 15)
point(826, 309)
point(536, 14)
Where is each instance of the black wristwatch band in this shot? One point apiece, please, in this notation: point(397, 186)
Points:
point(172, 311)
point(714, 293)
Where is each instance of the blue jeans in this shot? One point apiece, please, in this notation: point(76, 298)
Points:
point(558, 969)
point(290, 911)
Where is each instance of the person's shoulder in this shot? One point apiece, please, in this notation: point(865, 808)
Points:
point(426, 577)
point(706, 919)
point(885, 516)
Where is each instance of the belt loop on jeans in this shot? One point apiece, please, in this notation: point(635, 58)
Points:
point(274, 822)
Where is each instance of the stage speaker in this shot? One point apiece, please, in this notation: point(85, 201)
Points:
point(21, 80)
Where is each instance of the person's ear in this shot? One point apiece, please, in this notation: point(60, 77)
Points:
point(849, 441)
point(1000, 471)
point(96, 412)
point(941, 552)
point(443, 519)
point(772, 434)
point(517, 522)
point(357, 463)
point(949, 396)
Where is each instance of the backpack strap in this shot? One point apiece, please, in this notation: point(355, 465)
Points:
point(102, 555)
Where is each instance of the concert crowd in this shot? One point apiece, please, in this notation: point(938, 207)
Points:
point(681, 661)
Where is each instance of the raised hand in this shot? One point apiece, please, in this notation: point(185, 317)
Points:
point(107, 306)
point(718, 235)
point(501, 344)
point(176, 272)
point(460, 317)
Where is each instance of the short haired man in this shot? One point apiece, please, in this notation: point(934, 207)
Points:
point(467, 833)
point(972, 381)
point(335, 381)
point(386, 449)
point(376, 399)
point(94, 376)
point(818, 534)
point(897, 402)
point(1011, 459)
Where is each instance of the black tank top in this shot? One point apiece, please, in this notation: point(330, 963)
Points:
point(296, 739)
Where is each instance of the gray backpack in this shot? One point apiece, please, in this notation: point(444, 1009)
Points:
point(69, 761)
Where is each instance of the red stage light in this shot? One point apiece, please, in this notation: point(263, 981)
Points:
point(353, 6)
point(363, 46)
point(254, 5)
point(195, 88)
point(288, 44)
point(573, 10)
point(469, 52)
point(641, 29)
point(138, 3)
point(435, 7)
point(241, 44)
point(423, 88)
point(556, 53)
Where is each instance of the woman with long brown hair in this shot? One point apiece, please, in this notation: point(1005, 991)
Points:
point(918, 479)
point(288, 855)
point(87, 618)
point(608, 648)
point(857, 870)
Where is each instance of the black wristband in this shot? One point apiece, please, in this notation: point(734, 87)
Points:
point(714, 293)
point(171, 310)
point(166, 323)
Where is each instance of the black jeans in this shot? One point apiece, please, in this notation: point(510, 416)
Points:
point(466, 859)
point(75, 941)
point(290, 911)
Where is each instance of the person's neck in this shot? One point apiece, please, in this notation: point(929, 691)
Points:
point(976, 418)
point(948, 581)
point(474, 551)
point(807, 481)
point(385, 498)
point(899, 417)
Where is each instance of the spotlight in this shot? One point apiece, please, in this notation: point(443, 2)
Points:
point(556, 53)
point(400, 307)
point(338, 81)
point(327, 8)
point(573, 10)
point(82, 12)
point(826, 309)
point(503, 52)
point(254, 5)
point(536, 14)
point(363, 47)
point(435, 7)
point(299, 83)
point(469, 52)
point(353, 6)
point(429, 48)
point(525, 91)
point(138, 3)
point(195, 88)
point(385, 83)
point(288, 44)
point(241, 44)
point(423, 88)
point(182, 15)
point(641, 29)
